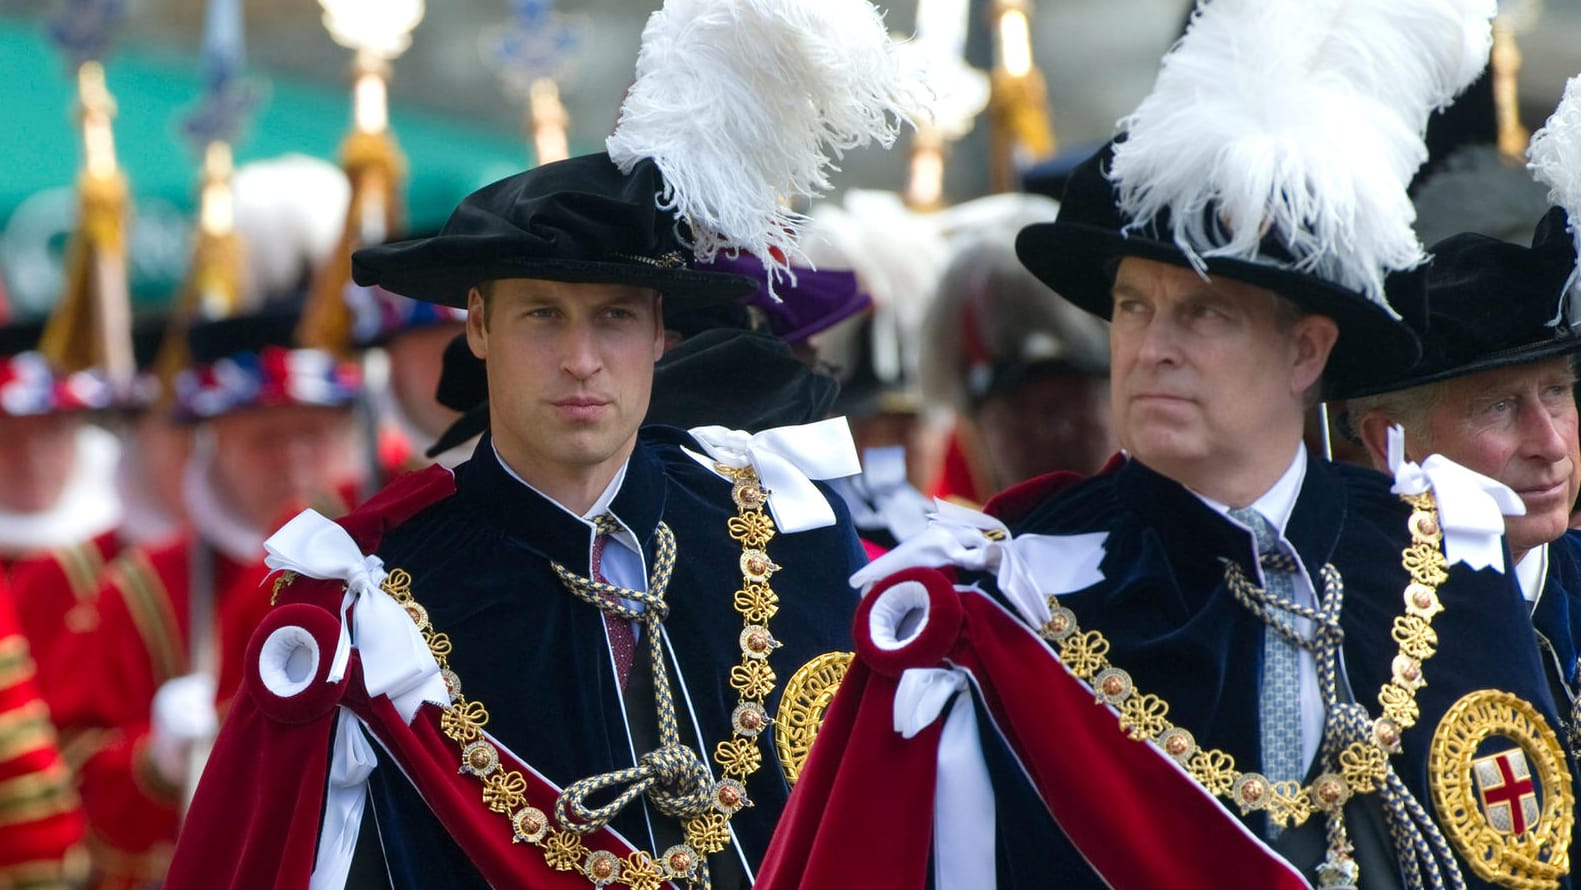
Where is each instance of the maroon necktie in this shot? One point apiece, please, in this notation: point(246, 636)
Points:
point(622, 639)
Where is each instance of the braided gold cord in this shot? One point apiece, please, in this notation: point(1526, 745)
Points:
point(673, 777)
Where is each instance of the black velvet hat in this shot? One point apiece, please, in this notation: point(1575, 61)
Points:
point(1492, 304)
point(1078, 253)
point(251, 361)
point(19, 337)
point(743, 380)
point(577, 220)
point(210, 340)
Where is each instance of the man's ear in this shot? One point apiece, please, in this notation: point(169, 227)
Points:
point(1373, 428)
point(1314, 337)
point(661, 337)
point(477, 325)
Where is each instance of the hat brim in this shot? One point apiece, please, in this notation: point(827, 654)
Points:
point(1074, 259)
point(1507, 358)
point(422, 270)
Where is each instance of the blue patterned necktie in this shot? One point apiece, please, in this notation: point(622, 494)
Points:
point(1279, 706)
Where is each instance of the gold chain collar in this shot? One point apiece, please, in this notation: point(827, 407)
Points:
point(1362, 765)
point(753, 679)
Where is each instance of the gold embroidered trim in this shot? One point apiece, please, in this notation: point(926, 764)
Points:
point(1536, 856)
point(281, 582)
point(81, 564)
point(69, 870)
point(149, 604)
point(1362, 766)
point(37, 795)
point(802, 705)
point(753, 679)
point(25, 729)
point(16, 663)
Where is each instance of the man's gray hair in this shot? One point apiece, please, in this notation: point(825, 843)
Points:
point(1407, 407)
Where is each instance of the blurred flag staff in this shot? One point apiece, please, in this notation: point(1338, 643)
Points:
point(91, 325)
point(375, 168)
point(1018, 109)
point(532, 53)
point(959, 94)
point(213, 287)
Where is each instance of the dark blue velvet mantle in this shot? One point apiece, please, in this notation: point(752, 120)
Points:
point(1173, 624)
point(537, 658)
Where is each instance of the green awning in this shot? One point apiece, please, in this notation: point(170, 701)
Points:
point(446, 157)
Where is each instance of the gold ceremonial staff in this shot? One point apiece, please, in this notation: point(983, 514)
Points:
point(91, 325)
point(214, 284)
point(1506, 63)
point(1018, 108)
point(379, 31)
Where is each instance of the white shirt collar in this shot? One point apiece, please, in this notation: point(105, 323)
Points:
point(601, 505)
point(1532, 571)
point(1278, 502)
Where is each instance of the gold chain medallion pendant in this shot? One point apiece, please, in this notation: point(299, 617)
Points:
point(1502, 790)
point(504, 790)
point(807, 695)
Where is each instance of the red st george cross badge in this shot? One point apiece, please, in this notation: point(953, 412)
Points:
point(1509, 797)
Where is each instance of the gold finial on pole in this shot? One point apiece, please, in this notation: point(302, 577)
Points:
point(547, 121)
point(1021, 130)
point(91, 326)
point(379, 31)
point(1506, 63)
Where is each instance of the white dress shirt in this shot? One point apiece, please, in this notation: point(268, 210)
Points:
point(621, 563)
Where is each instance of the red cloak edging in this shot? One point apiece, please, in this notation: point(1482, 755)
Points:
point(861, 814)
point(254, 822)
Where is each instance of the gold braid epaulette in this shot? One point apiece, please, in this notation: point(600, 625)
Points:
point(753, 679)
point(1362, 765)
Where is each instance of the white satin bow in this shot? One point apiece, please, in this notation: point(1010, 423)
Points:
point(787, 459)
point(895, 505)
point(1028, 568)
point(395, 660)
point(1471, 506)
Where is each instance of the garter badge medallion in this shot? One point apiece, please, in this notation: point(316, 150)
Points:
point(1502, 790)
point(807, 695)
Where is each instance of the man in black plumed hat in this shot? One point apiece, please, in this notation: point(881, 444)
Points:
point(1222, 593)
point(590, 655)
point(1495, 392)
point(602, 646)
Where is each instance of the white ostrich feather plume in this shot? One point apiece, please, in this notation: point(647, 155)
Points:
point(1554, 157)
point(289, 210)
point(746, 105)
point(1301, 117)
point(897, 255)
